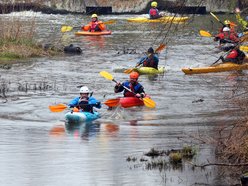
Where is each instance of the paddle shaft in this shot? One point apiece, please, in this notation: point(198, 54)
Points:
point(217, 19)
point(123, 86)
point(224, 54)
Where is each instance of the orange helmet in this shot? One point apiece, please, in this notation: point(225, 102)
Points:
point(134, 75)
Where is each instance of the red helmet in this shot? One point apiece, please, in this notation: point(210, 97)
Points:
point(134, 75)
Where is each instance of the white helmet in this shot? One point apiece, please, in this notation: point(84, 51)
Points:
point(226, 29)
point(84, 89)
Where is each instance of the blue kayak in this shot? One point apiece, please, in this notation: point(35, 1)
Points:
point(79, 117)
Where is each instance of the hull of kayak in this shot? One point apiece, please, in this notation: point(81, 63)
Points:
point(86, 33)
point(79, 117)
point(218, 68)
point(166, 19)
point(150, 70)
point(125, 102)
point(143, 70)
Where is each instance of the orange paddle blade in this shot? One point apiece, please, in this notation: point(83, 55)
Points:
point(128, 71)
point(57, 108)
point(112, 102)
point(160, 48)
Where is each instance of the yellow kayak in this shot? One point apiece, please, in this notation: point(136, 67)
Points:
point(150, 70)
point(166, 19)
point(244, 48)
point(228, 66)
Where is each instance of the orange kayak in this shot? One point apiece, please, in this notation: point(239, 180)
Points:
point(86, 33)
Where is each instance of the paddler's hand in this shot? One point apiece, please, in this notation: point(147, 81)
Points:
point(118, 84)
point(142, 95)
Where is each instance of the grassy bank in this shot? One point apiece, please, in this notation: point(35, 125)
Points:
point(17, 41)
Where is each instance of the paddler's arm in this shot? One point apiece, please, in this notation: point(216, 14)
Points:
point(142, 60)
point(94, 102)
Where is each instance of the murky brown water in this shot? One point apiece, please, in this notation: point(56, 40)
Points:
point(37, 149)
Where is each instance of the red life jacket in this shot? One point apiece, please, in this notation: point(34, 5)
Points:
point(93, 25)
point(149, 63)
point(232, 55)
point(153, 12)
point(130, 94)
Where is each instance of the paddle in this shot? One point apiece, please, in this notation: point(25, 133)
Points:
point(231, 23)
point(147, 101)
point(58, 108)
point(244, 48)
point(112, 102)
point(158, 50)
point(61, 107)
point(217, 19)
point(205, 33)
point(66, 28)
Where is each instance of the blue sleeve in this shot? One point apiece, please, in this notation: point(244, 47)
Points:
point(74, 102)
point(95, 102)
point(156, 58)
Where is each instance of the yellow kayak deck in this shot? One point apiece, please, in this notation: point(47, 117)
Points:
point(166, 19)
point(223, 67)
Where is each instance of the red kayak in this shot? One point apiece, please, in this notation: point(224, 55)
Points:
point(125, 102)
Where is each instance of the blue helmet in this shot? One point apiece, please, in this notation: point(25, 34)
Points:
point(246, 18)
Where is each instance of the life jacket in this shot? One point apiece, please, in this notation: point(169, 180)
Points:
point(93, 26)
point(227, 38)
point(153, 12)
point(135, 88)
point(97, 26)
point(83, 104)
point(150, 62)
point(232, 55)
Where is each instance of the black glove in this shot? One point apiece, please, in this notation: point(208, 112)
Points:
point(142, 95)
point(216, 39)
point(98, 104)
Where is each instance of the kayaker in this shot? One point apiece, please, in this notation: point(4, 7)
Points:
point(226, 37)
point(153, 12)
point(235, 56)
point(94, 25)
point(230, 25)
point(243, 22)
point(151, 60)
point(85, 102)
point(132, 84)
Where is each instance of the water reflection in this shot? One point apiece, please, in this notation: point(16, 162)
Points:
point(93, 41)
point(85, 131)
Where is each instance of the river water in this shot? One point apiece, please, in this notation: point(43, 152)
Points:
point(37, 149)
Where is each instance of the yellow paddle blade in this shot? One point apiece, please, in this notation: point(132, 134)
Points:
point(244, 48)
point(160, 48)
point(112, 102)
point(106, 75)
point(128, 71)
point(57, 108)
point(149, 102)
point(215, 16)
point(205, 33)
point(112, 21)
point(66, 28)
